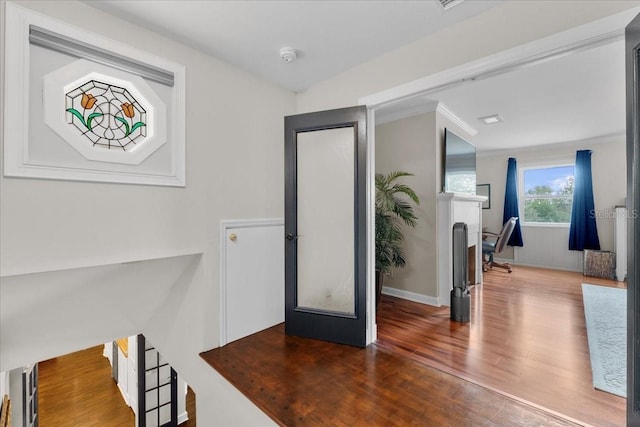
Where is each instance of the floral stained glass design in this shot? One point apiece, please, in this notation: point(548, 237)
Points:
point(107, 115)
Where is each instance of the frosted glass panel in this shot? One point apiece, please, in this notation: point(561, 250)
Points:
point(152, 399)
point(165, 414)
point(165, 394)
point(151, 378)
point(152, 418)
point(151, 358)
point(325, 192)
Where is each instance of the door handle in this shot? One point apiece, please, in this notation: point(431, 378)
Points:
point(291, 237)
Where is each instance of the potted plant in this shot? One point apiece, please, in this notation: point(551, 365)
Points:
point(393, 206)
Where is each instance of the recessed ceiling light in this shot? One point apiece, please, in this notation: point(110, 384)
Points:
point(489, 120)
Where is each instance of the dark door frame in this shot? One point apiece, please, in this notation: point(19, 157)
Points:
point(311, 323)
point(632, 36)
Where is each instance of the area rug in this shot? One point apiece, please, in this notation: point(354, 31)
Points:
point(605, 311)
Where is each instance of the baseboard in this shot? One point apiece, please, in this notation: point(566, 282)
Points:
point(183, 417)
point(524, 264)
point(411, 296)
point(504, 260)
point(550, 267)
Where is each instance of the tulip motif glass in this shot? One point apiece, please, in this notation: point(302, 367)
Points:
point(107, 115)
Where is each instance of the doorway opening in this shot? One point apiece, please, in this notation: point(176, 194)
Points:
point(400, 127)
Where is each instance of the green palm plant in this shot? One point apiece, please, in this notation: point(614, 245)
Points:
point(393, 207)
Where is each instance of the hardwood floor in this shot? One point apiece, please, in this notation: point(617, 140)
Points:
point(304, 382)
point(526, 338)
point(77, 390)
point(191, 409)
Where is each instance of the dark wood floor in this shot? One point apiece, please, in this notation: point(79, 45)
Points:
point(77, 390)
point(526, 338)
point(303, 382)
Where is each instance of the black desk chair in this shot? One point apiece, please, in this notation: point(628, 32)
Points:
point(490, 248)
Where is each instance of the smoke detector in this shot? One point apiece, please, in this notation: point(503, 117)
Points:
point(448, 4)
point(288, 54)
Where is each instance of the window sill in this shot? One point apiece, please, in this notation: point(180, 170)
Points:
point(545, 224)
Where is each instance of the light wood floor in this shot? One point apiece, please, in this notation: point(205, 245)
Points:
point(77, 390)
point(526, 338)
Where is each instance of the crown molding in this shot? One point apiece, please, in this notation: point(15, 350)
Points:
point(466, 127)
point(398, 113)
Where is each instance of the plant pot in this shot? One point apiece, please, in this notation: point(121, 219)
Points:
point(379, 278)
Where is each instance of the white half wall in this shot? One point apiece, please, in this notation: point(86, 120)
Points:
point(43, 315)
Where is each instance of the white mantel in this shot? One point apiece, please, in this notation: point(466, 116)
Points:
point(452, 208)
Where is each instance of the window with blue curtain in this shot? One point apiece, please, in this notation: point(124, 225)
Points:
point(511, 203)
point(583, 232)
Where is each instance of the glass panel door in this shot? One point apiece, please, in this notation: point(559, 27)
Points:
point(325, 225)
point(325, 220)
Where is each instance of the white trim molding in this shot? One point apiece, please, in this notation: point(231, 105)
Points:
point(372, 327)
point(466, 127)
point(411, 296)
point(399, 112)
point(19, 145)
point(183, 417)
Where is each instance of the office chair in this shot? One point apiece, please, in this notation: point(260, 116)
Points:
point(490, 248)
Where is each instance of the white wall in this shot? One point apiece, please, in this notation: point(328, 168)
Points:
point(414, 144)
point(234, 153)
point(234, 165)
point(608, 164)
point(409, 145)
point(4, 385)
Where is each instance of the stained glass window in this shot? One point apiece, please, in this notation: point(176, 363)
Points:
point(107, 115)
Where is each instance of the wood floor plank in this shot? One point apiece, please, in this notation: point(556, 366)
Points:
point(526, 338)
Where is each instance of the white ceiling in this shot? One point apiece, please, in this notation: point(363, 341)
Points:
point(573, 98)
point(576, 97)
point(329, 36)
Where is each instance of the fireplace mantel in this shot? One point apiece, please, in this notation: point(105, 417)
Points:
point(452, 208)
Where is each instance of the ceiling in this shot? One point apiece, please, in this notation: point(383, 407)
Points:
point(329, 36)
point(576, 97)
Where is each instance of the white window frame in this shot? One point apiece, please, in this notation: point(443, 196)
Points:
point(521, 195)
